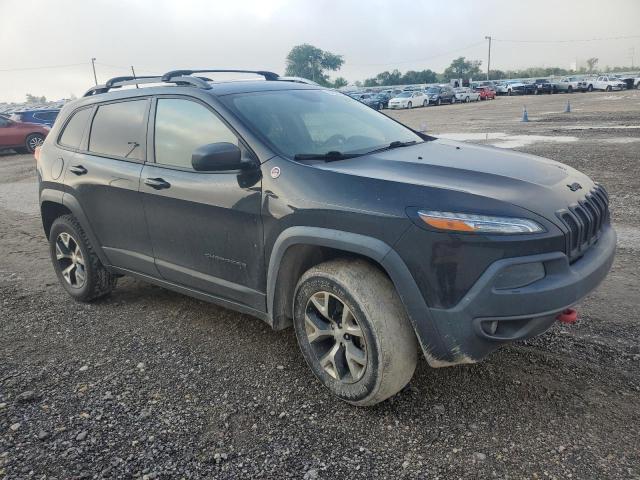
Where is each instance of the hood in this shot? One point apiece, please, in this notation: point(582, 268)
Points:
point(537, 184)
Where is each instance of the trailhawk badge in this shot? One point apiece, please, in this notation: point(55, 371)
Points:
point(275, 172)
point(574, 187)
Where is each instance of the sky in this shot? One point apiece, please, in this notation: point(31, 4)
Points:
point(372, 35)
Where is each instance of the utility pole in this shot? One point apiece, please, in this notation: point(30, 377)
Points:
point(489, 59)
point(632, 53)
point(93, 64)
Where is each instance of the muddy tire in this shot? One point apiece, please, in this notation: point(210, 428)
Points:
point(353, 331)
point(75, 262)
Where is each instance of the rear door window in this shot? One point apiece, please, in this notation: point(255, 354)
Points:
point(74, 130)
point(119, 130)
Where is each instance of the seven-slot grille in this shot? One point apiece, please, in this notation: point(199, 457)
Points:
point(585, 220)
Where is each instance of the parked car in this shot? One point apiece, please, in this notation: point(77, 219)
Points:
point(521, 88)
point(570, 85)
point(465, 94)
point(608, 83)
point(543, 85)
point(502, 88)
point(383, 98)
point(21, 136)
point(636, 82)
point(299, 206)
point(44, 117)
point(371, 100)
point(440, 94)
point(409, 99)
point(486, 93)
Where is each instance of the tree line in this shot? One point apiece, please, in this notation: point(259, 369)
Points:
point(314, 63)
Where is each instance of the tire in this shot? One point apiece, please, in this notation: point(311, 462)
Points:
point(590, 88)
point(608, 89)
point(467, 100)
point(33, 141)
point(382, 338)
point(569, 89)
point(439, 102)
point(409, 105)
point(85, 279)
point(380, 106)
point(509, 92)
point(425, 103)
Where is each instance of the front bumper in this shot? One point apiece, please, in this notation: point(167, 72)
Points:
point(487, 317)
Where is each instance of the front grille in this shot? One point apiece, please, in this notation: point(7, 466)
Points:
point(584, 221)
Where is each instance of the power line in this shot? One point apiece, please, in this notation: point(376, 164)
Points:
point(42, 68)
point(418, 59)
point(626, 37)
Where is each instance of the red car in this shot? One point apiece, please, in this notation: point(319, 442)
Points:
point(21, 136)
point(486, 93)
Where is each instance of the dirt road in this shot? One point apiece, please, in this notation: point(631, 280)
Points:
point(152, 384)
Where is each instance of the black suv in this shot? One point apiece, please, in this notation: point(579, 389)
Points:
point(301, 206)
point(439, 94)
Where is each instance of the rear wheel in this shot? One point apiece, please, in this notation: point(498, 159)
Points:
point(33, 141)
point(353, 331)
point(570, 89)
point(439, 102)
point(590, 88)
point(467, 100)
point(425, 103)
point(76, 264)
point(409, 105)
point(608, 89)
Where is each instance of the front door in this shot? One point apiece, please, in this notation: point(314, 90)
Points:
point(205, 227)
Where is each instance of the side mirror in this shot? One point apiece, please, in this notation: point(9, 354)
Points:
point(215, 157)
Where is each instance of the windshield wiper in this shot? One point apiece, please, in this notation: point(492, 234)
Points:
point(329, 156)
point(392, 145)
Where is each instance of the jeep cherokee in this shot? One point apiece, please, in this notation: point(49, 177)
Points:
point(301, 206)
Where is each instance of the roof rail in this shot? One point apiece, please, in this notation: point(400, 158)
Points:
point(174, 73)
point(118, 82)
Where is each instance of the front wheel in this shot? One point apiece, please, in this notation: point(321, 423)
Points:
point(439, 102)
point(409, 105)
point(425, 103)
point(353, 331)
point(590, 88)
point(570, 89)
point(608, 89)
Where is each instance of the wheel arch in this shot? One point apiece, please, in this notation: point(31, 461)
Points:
point(55, 203)
point(299, 248)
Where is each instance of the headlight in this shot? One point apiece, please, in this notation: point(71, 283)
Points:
point(466, 222)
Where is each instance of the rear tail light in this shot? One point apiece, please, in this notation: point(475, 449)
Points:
point(36, 153)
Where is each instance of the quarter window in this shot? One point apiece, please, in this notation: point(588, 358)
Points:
point(182, 126)
point(118, 130)
point(74, 130)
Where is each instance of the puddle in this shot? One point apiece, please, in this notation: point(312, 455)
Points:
point(19, 197)
point(504, 140)
point(598, 127)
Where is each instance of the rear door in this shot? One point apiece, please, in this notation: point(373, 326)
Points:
point(205, 227)
point(104, 176)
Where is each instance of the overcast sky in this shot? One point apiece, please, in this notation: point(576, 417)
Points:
point(372, 35)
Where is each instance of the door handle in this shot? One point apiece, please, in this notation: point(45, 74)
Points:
point(157, 183)
point(78, 169)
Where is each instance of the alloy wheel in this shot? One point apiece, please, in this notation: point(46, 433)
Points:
point(70, 260)
point(35, 142)
point(336, 339)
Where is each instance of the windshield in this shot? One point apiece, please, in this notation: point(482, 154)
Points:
point(296, 122)
point(433, 90)
point(404, 95)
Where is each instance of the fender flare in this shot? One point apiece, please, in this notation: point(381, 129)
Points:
point(415, 305)
point(72, 203)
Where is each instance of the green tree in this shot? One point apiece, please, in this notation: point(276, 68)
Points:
point(311, 62)
point(340, 82)
point(593, 63)
point(35, 99)
point(462, 68)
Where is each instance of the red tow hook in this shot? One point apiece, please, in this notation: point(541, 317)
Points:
point(568, 316)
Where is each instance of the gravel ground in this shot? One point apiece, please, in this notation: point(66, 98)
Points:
point(151, 384)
